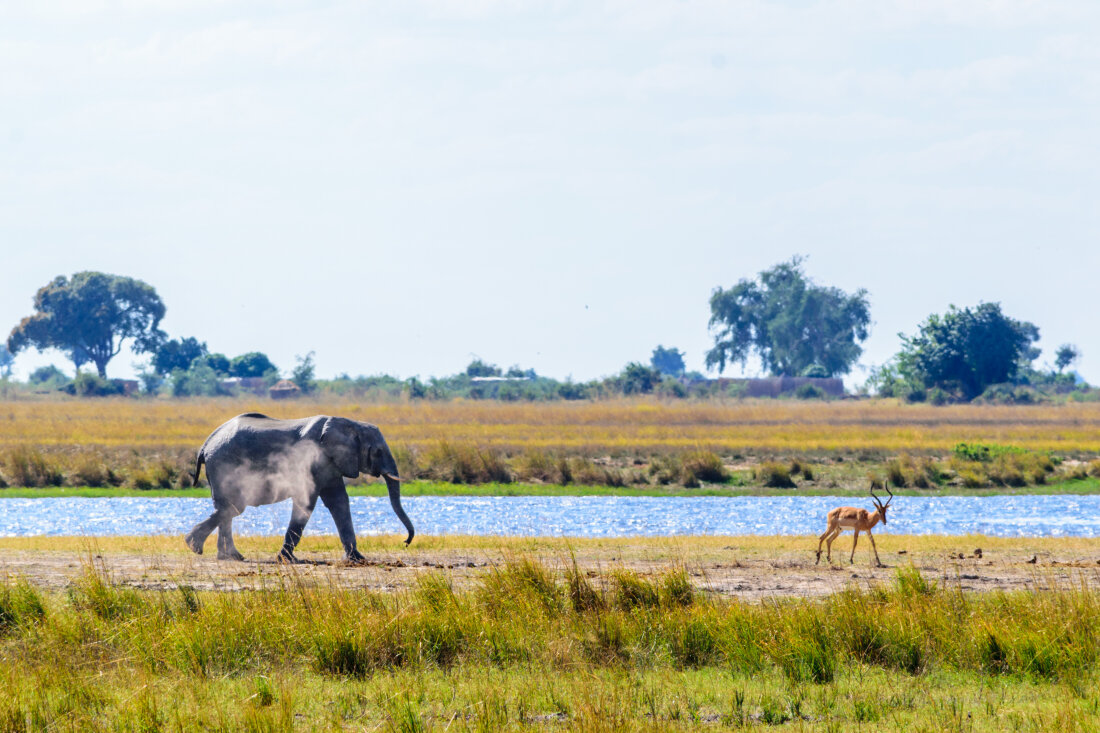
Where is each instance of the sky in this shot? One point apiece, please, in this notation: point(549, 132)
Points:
point(400, 187)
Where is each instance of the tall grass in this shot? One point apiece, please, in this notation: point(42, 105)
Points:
point(583, 428)
point(99, 651)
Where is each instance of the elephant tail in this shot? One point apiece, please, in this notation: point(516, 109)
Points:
point(198, 467)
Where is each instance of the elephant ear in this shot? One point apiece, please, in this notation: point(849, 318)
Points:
point(340, 442)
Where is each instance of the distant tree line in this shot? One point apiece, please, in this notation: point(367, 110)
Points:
point(793, 326)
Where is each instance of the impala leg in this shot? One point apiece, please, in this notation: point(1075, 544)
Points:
point(855, 539)
point(877, 561)
point(829, 543)
point(820, 540)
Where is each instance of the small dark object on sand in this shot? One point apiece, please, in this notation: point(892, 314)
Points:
point(978, 553)
point(1034, 559)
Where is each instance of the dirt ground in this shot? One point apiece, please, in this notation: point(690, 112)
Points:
point(751, 568)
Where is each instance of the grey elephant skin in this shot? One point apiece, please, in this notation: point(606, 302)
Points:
point(254, 459)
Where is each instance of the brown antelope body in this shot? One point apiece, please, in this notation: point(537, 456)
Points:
point(861, 520)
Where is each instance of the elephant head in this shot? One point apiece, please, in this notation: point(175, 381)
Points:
point(357, 447)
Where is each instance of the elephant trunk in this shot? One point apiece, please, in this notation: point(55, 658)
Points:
point(394, 486)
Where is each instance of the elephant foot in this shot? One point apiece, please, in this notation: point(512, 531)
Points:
point(230, 555)
point(355, 558)
point(286, 556)
point(193, 542)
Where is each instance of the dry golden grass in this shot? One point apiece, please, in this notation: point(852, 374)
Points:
point(695, 548)
point(619, 426)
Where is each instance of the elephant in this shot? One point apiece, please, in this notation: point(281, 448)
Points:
point(253, 459)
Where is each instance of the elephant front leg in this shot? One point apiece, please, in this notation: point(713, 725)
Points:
point(196, 538)
point(338, 505)
point(299, 515)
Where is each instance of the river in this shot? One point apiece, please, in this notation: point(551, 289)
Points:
point(574, 516)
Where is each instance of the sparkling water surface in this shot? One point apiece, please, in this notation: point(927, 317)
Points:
point(573, 516)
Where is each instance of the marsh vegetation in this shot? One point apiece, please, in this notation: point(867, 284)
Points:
point(631, 444)
point(528, 644)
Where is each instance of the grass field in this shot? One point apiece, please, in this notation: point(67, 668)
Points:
point(646, 445)
point(592, 428)
point(544, 638)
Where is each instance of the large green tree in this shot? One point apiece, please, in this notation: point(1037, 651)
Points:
point(668, 361)
point(968, 349)
point(792, 324)
point(89, 316)
point(173, 354)
point(252, 364)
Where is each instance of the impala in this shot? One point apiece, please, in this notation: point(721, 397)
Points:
point(846, 517)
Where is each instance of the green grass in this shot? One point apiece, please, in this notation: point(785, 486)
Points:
point(434, 488)
point(530, 646)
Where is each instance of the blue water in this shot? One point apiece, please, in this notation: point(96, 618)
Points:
point(576, 516)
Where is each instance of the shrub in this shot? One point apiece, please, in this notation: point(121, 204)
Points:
point(633, 591)
point(582, 596)
point(88, 469)
point(665, 469)
point(87, 384)
point(896, 471)
point(774, 474)
point(20, 605)
point(675, 589)
point(466, 464)
point(972, 479)
point(1094, 468)
point(810, 392)
point(536, 465)
point(703, 465)
point(26, 466)
point(588, 473)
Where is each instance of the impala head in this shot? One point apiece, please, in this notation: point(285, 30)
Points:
point(878, 502)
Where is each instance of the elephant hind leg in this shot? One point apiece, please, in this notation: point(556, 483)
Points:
point(196, 538)
point(226, 549)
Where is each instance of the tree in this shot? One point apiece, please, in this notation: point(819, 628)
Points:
point(638, 379)
point(478, 368)
point(218, 362)
point(303, 373)
point(252, 364)
point(966, 350)
point(49, 376)
point(1066, 355)
point(791, 323)
point(89, 317)
point(668, 361)
point(169, 355)
point(6, 361)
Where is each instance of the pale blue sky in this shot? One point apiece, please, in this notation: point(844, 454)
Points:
point(398, 186)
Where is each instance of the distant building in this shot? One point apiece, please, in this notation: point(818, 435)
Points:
point(251, 384)
point(129, 386)
point(284, 389)
point(776, 386)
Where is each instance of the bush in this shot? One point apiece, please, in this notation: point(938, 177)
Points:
point(87, 384)
point(810, 392)
point(589, 473)
point(633, 591)
point(26, 466)
point(775, 475)
point(466, 464)
point(703, 465)
point(88, 469)
point(535, 465)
